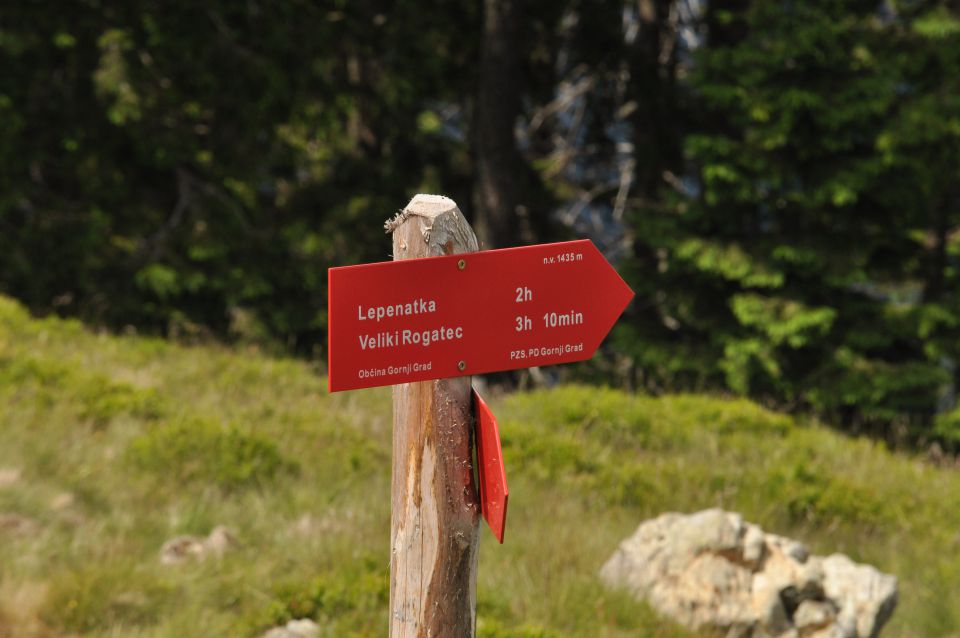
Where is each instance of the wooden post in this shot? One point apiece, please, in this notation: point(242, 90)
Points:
point(435, 509)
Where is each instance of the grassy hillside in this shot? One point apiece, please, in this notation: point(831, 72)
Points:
point(111, 446)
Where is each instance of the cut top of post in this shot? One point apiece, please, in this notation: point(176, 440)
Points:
point(430, 205)
point(444, 229)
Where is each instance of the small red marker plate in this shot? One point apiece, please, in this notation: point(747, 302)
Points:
point(493, 475)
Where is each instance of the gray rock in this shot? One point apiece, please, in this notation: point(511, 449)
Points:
point(183, 548)
point(17, 524)
point(180, 549)
point(864, 593)
point(219, 542)
point(712, 570)
point(62, 501)
point(9, 476)
point(303, 628)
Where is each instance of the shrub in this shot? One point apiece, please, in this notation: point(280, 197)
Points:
point(493, 629)
point(200, 450)
point(100, 597)
point(354, 595)
point(102, 400)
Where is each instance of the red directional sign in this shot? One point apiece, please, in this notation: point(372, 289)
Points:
point(418, 319)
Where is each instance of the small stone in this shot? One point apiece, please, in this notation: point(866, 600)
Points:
point(306, 525)
point(219, 542)
point(62, 501)
point(17, 524)
point(302, 628)
point(9, 476)
point(180, 549)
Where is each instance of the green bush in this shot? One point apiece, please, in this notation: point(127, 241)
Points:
point(20, 372)
point(354, 597)
point(493, 629)
point(99, 398)
point(947, 428)
point(103, 400)
point(201, 450)
point(101, 597)
point(812, 496)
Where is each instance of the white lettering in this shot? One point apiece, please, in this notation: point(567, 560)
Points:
point(379, 313)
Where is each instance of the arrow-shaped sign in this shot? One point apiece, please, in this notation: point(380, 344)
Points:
point(418, 319)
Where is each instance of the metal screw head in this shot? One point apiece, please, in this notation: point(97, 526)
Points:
point(462, 365)
point(461, 265)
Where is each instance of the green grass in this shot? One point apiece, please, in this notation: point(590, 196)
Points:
point(124, 443)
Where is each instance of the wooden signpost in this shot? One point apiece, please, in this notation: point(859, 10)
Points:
point(440, 312)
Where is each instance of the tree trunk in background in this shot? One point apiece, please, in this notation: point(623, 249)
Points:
point(653, 64)
point(500, 169)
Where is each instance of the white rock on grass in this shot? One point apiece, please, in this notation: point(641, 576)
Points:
point(182, 548)
point(9, 476)
point(17, 524)
point(62, 501)
point(712, 570)
point(303, 628)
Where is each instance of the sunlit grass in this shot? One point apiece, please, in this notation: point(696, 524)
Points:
point(124, 443)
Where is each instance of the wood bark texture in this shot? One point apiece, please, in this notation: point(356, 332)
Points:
point(435, 507)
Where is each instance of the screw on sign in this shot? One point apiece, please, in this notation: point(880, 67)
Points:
point(439, 312)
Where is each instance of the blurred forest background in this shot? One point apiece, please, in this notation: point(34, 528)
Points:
point(778, 181)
